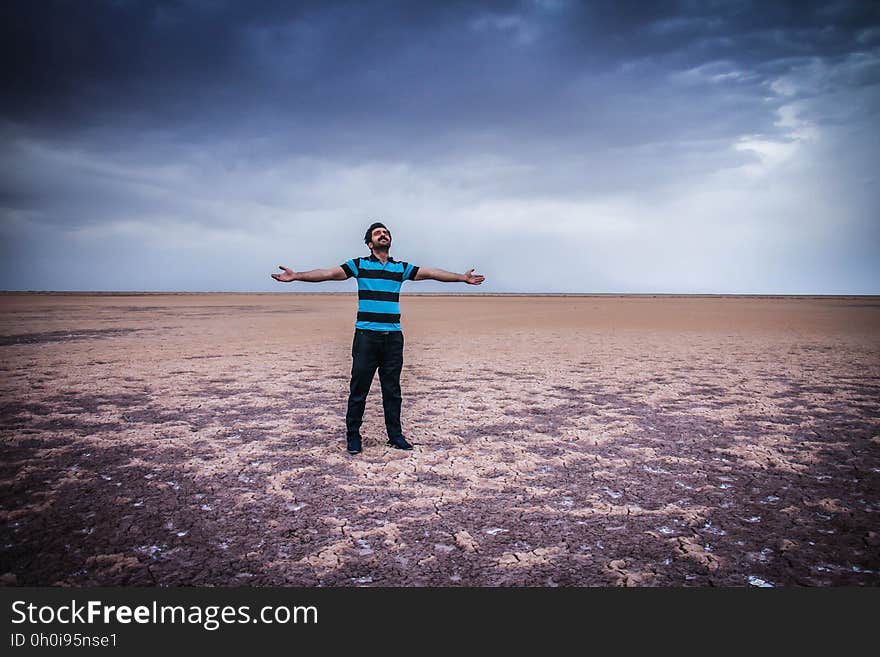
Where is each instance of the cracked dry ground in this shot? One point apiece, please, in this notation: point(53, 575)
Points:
point(197, 440)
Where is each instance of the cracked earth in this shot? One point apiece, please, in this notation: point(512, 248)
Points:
point(574, 441)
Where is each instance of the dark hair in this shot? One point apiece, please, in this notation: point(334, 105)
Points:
point(368, 237)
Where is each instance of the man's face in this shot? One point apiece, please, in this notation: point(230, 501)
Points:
point(381, 238)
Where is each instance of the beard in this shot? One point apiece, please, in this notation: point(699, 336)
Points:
point(382, 244)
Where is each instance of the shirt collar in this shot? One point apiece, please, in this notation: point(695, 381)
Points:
point(375, 259)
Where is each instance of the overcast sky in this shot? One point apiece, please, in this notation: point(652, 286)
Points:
point(682, 147)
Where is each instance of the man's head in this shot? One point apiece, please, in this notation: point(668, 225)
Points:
point(378, 237)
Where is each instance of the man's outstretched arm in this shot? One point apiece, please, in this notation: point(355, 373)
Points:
point(313, 276)
point(469, 277)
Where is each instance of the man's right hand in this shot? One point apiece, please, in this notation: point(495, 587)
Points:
point(287, 276)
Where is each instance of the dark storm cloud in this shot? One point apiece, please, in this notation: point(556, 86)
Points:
point(331, 73)
point(742, 31)
point(175, 55)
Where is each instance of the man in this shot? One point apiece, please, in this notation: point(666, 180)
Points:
point(378, 339)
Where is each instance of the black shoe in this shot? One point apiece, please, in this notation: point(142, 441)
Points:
point(354, 445)
point(399, 443)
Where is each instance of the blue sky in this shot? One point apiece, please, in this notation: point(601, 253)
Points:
point(683, 147)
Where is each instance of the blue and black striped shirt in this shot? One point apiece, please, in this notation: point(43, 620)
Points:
point(379, 291)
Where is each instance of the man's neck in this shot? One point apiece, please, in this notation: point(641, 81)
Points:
point(382, 254)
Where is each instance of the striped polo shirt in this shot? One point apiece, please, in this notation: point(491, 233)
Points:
point(379, 291)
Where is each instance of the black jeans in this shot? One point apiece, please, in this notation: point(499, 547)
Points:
point(372, 350)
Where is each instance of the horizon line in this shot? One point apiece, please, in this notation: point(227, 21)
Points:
point(449, 294)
